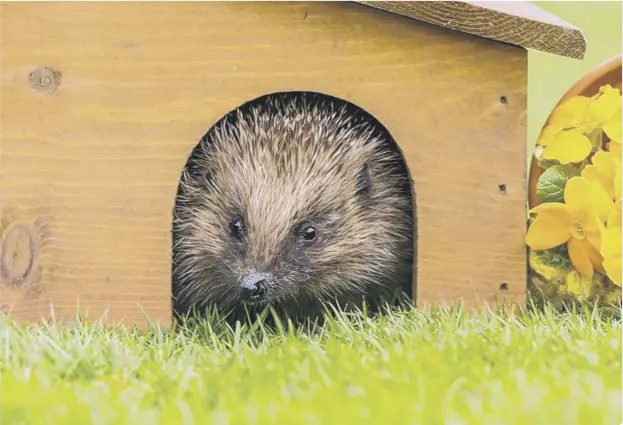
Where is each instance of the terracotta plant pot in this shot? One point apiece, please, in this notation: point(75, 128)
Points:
point(607, 72)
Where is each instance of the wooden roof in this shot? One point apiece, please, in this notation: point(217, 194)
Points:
point(519, 23)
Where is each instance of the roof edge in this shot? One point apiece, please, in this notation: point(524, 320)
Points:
point(518, 23)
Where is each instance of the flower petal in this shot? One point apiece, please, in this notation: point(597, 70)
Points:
point(603, 106)
point(557, 209)
point(582, 195)
point(605, 163)
point(611, 251)
point(567, 147)
point(548, 135)
point(571, 112)
point(616, 216)
point(618, 181)
point(550, 228)
point(594, 256)
point(593, 229)
point(613, 269)
point(615, 149)
point(592, 173)
point(611, 242)
point(577, 193)
point(603, 204)
point(579, 258)
point(612, 127)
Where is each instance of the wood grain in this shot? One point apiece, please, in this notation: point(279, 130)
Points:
point(89, 170)
point(519, 23)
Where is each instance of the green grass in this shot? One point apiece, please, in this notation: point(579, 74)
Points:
point(433, 367)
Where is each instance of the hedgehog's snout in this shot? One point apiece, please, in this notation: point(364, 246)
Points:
point(254, 286)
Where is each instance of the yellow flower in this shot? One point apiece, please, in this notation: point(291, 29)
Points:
point(612, 128)
point(615, 149)
point(603, 108)
point(577, 222)
point(615, 217)
point(611, 252)
point(618, 181)
point(603, 171)
point(564, 145)
point(606, 111)
point(565, 139)
point(571, 113)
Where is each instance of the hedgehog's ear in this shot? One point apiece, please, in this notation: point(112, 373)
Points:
point(363, 181)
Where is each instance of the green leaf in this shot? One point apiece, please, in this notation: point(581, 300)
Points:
point(551, 184)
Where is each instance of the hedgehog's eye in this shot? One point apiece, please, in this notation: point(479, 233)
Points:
point(308, 232)
point(237, 227)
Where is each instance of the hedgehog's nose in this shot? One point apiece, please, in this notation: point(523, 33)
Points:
point(255, 292)
point(254, 286)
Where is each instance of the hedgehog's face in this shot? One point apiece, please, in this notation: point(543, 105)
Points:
point(282, 236)
point(271, 263)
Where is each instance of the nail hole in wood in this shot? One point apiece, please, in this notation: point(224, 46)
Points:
point(502, 188)
point(503, 287)
point(504, 100)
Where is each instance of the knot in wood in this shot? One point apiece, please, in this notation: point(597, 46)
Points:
point(17, 256)
point(45, 79)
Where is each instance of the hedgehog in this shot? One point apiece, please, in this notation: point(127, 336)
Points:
point(294, 200)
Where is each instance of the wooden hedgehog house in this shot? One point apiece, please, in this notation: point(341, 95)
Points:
point(102, 103)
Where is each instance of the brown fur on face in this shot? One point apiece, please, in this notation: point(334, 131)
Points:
point(278, 165)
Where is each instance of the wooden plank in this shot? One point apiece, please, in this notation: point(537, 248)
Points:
point(91, 155)
point(520, 23)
